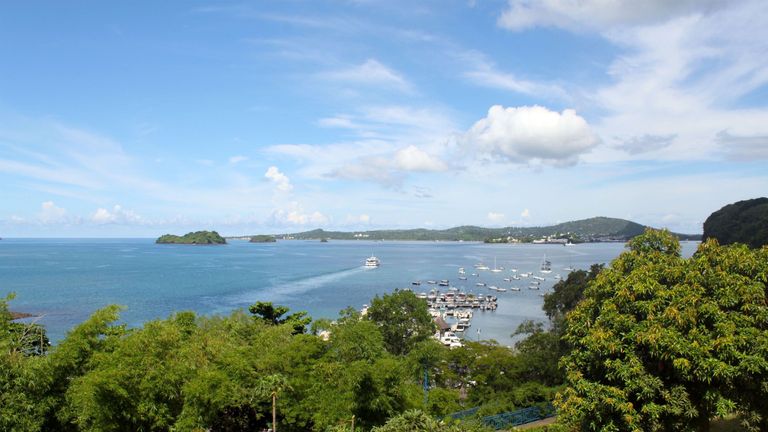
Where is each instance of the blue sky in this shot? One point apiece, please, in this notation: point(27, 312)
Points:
point(140, 118)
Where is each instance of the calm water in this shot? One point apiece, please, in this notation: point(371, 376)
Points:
point(65, 280)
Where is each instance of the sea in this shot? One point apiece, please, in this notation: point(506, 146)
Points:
point(63, 281)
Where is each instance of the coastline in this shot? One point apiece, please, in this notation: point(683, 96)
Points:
point(21, 315)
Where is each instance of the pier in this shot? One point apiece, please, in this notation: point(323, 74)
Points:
point(454, 299)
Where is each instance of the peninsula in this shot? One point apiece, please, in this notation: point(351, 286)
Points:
point(193, 238)
point(597, 229)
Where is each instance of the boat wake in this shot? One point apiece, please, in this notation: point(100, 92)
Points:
point(282, 290)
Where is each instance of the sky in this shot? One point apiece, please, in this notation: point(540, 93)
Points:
point(134, 119)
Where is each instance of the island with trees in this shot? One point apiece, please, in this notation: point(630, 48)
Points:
point(193, 238)
point(262, 239)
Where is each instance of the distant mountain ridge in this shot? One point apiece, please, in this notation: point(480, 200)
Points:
point(585, 230)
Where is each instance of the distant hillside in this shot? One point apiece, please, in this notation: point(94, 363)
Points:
point(741, 222)
point(586, 230)
point(196, 238)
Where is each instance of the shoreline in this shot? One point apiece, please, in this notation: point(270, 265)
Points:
point(21, 315)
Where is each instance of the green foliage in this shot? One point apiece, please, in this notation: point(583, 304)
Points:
point(568, 292)
point(22, 380)
point(666, 343)
point(741, 222)
point(403, 319)
point(355, 340)
point(273, 315)
point(197, 238)
point(418, 421)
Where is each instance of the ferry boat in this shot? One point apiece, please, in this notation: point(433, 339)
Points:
point(372, 262)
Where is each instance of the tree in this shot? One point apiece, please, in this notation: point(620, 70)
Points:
point(274, 315)
point(403, 318)
point(418, 421)
point(568, 292)
point(665, 343)
point(24, 378)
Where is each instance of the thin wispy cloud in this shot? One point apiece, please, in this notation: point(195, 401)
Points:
point(370, 72)
point(483, 72)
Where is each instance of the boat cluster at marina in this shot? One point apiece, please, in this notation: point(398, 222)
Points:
point(452, 308)
point(455, 299)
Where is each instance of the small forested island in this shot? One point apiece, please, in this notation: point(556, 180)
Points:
point(194, 238)
point(262, 239)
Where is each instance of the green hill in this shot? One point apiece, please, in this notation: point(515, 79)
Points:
point(196, 238)
point(585, 230)
point(741, 222)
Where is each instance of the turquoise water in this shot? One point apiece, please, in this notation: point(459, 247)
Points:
point(65, 280)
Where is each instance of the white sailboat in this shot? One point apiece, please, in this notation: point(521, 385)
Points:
point(546, 265)
point(495, 269)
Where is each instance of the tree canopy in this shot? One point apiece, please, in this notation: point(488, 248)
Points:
point(403, 318)
point(276, 315)
point(661, 342)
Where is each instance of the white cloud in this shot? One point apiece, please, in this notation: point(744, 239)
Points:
point(745, 148)
point(532, 134)
point(358, 219)
point(646, 143)
point(370, 72)
point(294, 214)
point(281, 181)
point(525, 214)
point(341, 121)
point(684, 69)
point(597, 14)
point(412, 158)
point(237, 159)
point(51, 214)
point(118, 215)
point(389, 169)
point(484, 73)
point(495, 217)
